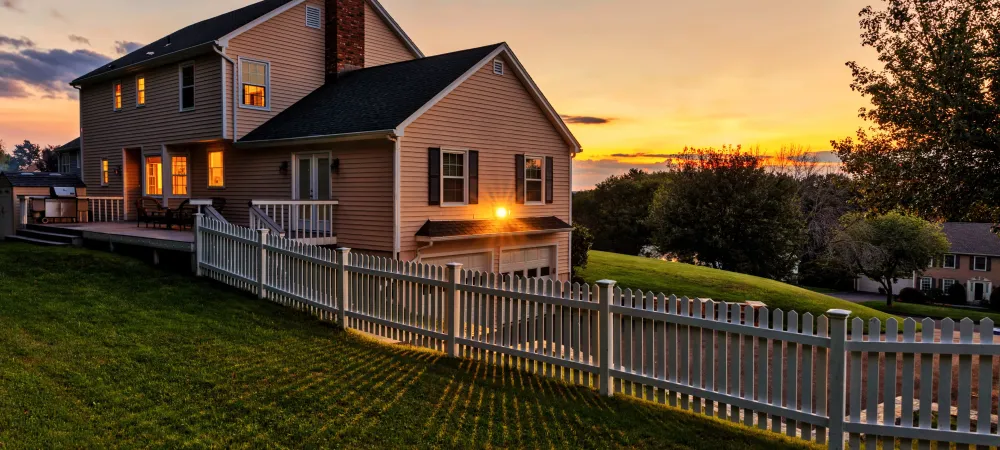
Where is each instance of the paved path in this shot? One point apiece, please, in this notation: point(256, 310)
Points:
point(858, 297)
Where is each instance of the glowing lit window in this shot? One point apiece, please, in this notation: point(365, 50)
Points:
point(154, 170)
point(140, 91)
point(118, 95)
point(533, 179)
point(453, 177)
point(216, 170)
point(254, 78)
point(105, 173)
point(179, 174)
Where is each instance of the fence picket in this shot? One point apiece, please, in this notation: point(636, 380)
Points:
point(777, 323)
point(764, 321)
point(984, 410)
point(807, 376)
point(871, 395)
point(926, 380)
point(906, 393)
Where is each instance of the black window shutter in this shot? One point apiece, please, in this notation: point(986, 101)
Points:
point(989, 264)
point(958, 262)
point(519, 178)
point(473, 177)
point(549, 184)
point(434, 176)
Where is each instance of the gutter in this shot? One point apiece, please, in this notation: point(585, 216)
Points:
point(323, 139)
point(152, 62)
point(491, 235)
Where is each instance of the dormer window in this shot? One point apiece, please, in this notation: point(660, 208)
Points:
point(255, 79)
point(118, 95)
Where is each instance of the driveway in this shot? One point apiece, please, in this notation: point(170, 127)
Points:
point(858, 297)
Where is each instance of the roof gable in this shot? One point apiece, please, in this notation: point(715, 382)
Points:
point(972, 238)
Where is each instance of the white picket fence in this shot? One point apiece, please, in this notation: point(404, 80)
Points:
point(773, 370)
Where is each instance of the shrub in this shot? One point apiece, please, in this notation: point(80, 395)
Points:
point(583, 240)
point(912, 295)
point(995, 300)
point(935, 295)
point(956, 294)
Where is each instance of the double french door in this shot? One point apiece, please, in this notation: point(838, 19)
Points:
point(311, 183)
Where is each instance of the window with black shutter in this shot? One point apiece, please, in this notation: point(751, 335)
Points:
point(549, 180)
point(473, 177)
point(434, 176)
point(519, 178)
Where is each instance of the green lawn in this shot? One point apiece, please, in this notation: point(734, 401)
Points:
point(695, 281)
point(934, 311)
point(102, 351)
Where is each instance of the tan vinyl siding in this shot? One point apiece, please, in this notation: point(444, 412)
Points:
point(132, 176)
point(496, 116)
point(106, 132)
point(296, 54)
point(382, 45)
point(363, 220)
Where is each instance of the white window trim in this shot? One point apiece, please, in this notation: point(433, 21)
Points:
point(144, 90)
point(314, 183)
point(944, 261)
point(929, 281)
point(145, 175)
point(180, 86)
point(525, 174)
point(319, 12)
point(267, 84)
point(985, 263)
point(498, 63)
point(465, 176)
point(117, 85)
point(208, 164)
point(170, 170)
point(103, 178)
point(947, 283)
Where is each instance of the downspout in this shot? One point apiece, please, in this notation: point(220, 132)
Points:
point(235, 87)
point(80, 95)
point(396, 193)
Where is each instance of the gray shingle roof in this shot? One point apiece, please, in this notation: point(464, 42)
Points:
point(972, 238)
point(457, 228)
point(71, 145)
point(373, 99)
point(191, 36)
point(42, 179)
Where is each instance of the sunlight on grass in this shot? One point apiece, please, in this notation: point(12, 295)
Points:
point(122, 355)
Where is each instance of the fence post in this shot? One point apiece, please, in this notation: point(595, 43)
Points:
point(262, 263)
point(343, 291)
point(838, 376)
point(606, 288)
point(454, 302)
point(197, 244)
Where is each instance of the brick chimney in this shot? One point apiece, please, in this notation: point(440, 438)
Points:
point(345, 36)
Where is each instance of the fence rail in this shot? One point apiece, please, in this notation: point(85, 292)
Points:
point(774, 370)
point(309, 221)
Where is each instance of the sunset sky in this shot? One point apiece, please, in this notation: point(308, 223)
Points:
point(660, 75)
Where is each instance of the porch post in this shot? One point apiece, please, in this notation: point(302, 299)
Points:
point(343, 291)
point(453, 302)
point(262, 263)
point(196, 261)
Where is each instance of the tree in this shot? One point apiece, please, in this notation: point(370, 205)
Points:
point(887, 247)
point(4, 158)
point(24, 155)
point(48, 161)
point(824, 199)
point(615, 211)
point(582, 243)
point(724, 209)
point(934, 147)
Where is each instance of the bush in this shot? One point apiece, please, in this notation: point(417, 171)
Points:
point(935, 295)
point(583, 240)
point(995, 300)
point(956, 295)
point(912, 295)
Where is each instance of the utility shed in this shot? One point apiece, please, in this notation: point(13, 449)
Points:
point(26, 184)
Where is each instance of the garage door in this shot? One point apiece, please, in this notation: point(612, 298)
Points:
point(529, 262)
point(481, 262)
point(866, 284)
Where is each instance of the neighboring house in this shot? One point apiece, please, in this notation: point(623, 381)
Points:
point(455, 157)
point(69, 157)
point(969, 262)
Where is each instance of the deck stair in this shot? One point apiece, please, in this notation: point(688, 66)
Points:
point(40, 235)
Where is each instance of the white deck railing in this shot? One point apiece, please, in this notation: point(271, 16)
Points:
point(106, 209)
point(773, 370)
point(309, 221)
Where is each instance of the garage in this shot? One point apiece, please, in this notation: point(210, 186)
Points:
point(866, 284)
point(532, 262)
point(479, 261)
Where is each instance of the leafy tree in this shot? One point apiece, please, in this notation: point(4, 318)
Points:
point(583, 240)
point(24, 155)
point(48, 161)
point(615, 211)
point(725, 209)
point(887, 247)
point(4, 157)
point(825, 198)
point(934, 147)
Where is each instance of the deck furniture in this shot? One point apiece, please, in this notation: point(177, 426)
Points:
point(182, 216)
point(150, 211)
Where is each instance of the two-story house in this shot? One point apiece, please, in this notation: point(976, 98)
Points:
point(455, 157)
point(969, 261)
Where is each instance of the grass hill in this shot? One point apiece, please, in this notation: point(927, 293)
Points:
point(695, 281)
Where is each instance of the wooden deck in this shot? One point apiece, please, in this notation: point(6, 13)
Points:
point(127, 233)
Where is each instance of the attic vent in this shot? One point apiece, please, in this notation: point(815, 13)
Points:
point(313, 17)
point(498, 67)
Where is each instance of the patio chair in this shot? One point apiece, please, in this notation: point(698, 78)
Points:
point(182, 216)
point(150, 211)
